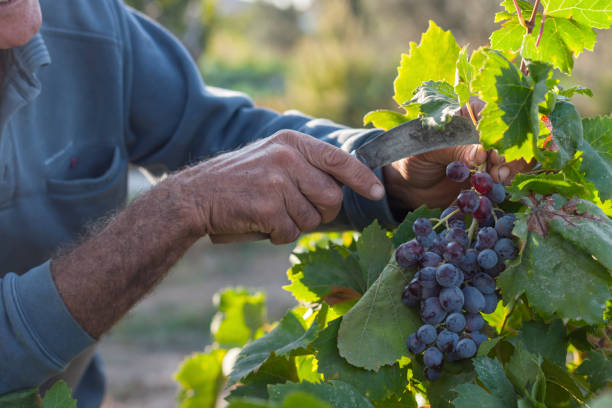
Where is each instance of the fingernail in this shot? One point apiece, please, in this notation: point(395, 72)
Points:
point(377, 191)
point(504, 172)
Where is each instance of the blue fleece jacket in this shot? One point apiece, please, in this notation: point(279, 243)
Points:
point(99, 87)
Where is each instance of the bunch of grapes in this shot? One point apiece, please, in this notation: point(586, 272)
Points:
point(455, 282)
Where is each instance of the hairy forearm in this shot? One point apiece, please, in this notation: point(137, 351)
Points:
point(104, 276)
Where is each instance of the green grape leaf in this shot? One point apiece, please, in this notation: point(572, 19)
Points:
point(407, 400)
point(558, 279)
point(597, 368)
point(592, 232)
point(579, 90)
point(333, 271)
point(524, 184)
point(562, 40)
point(386, 119)
point(491, 374)
point(435, 59)
point(471, 395)
point(276, 369)
point(523, 368)
point(337, 393)
point(292, 400)
point(21, 399)
point(510, 120)
point(567, 135)
point(561, 388)
point(200, 378)
point(567, 31)
point(597, 157)
point(404, 232)
point(373, 249)
point(437, 103)
point(379, 321)
point(443, 391)
point(595, 13)
point(547, 340)
point(289, 337)
point(389, 381)
point(306, 367)
point(241, 313)
point(59, 396)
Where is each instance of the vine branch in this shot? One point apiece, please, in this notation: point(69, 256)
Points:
point(520, 14)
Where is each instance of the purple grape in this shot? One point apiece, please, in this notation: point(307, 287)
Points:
point(474, 321)
point(427, 240)
point(505, 225)
point(460, 278)
point(426, 334)
point(491, 301)
point(474, 301)
point(482, 182)
point(484, 283)
point(414, 345)
point(433, 358)
point(457, 171)
point(497, 269)
point(497, 193)
point(409, 254)
point(483, 212)
point(431, 311)
point(431, 292)
point(457, 235)
point(466, 348)
point(455, 322)
point(454, 252)
point(487, 237)
point(446, 275)
point(468, 201)
point(432, 374)
point(409, 298)
point(451, 299)
point(478, 337)
point(446, 341)
point(457, 224)
point(489, 222)
point(422, 227)
point(438, 246)
point(430, 259)
point(456, 216)
point(487, 259)
point(427, 277)
point(469, 263)
point(506, 249)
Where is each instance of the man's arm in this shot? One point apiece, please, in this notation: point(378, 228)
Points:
point(281, 186)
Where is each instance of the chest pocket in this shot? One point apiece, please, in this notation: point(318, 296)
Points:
point(90, 184)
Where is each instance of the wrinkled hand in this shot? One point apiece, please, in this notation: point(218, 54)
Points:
point(275, 188)
point(421, 179)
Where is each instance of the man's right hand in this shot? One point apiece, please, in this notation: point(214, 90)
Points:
point(277, 187)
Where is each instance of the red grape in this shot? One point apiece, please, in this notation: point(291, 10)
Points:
point(483, 212)
point(457, 171)
point(468, 201)
point(482, 182)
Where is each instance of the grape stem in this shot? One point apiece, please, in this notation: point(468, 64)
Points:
point(520, 14)
point(445, 219)
point(471, 231)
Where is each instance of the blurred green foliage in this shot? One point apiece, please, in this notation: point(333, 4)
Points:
point(334, 59)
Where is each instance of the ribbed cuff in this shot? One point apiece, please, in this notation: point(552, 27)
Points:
point(40, 315)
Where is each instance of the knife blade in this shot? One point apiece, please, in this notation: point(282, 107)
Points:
point(411, 138)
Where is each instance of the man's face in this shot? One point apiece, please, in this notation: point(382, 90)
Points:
point(19, 21)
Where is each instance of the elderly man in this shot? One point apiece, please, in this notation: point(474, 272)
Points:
point(94, 86)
